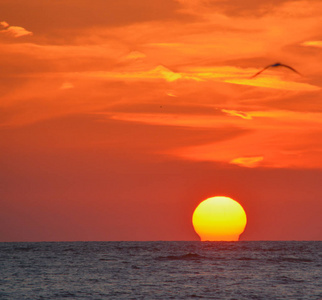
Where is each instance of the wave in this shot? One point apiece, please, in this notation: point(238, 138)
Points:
point(290, 259)
point(188, 256)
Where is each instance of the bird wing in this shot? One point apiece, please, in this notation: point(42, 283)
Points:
point(259, 72)
point(292, 69)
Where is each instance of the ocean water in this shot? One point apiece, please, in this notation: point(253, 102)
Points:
point(161, 270)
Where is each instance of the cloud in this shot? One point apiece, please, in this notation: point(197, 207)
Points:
point(171, 94)
point(253, 8)
point(167, 74)
point(281, 148)
point(312, 44)
point(135, 55)
point(136, 58)
point(57, 16)
point(66, 86)
point(237, 113)
point(214, 120)
point(230, 74)
point(286, 139)
point(4, 25)
point(275, 83)
point(15, 31)
point(225, 74)
point(159, 72)
point(249, 162)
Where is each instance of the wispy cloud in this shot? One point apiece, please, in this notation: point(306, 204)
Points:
point(15, 31)
point(66, 86)
point(235, 75)
point(275, 83)
point(287, 149)
point(194, 121)
point(135, 55)
point(285, 139)
point(4, 25)
point(171, 94)
point(312, 44)
point(249, 162)
point(224, 74)
point(159, 72)
point(237, 113)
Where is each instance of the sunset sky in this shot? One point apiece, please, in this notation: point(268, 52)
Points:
point(119, 117)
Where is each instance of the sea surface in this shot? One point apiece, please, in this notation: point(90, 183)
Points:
point(161, 270)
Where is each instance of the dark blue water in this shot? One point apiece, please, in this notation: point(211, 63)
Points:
point(161, 270)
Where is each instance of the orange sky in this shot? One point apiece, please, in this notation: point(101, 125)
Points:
point(119, 117)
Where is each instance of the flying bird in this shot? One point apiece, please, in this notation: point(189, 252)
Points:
point(273, 66)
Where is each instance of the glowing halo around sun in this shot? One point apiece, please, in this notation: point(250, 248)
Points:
point(219, 219)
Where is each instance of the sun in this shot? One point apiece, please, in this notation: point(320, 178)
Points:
point(219, 219)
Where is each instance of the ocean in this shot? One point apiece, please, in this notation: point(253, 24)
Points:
point(161, 270)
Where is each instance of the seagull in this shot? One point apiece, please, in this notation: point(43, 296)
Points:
point(273, 66)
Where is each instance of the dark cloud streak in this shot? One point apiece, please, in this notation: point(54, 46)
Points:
point(245, 8)
point(48, 16)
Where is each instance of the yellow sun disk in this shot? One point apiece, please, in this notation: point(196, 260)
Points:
point(219, 219)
